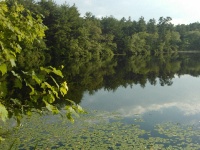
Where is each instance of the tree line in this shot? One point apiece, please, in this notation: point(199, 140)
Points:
point(70, 35)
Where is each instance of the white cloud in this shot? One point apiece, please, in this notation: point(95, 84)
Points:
point(187, 108)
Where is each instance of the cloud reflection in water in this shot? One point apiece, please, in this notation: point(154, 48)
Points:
point(182, 94)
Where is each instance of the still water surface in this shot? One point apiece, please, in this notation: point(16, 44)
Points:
point(159, 111)
point(177, 102)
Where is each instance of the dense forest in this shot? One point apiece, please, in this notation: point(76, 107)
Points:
point(70, 35)
point(35, 34)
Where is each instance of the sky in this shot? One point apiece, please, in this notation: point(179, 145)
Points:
point(181, 11)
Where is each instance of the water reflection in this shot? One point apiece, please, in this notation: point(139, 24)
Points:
point(132, 85)
point(157, 90)
point(184, 95)
point(118, 72)
point(141, 85)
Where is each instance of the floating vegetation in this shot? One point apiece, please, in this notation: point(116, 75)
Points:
point(96, 131)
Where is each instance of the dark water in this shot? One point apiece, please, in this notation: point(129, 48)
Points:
point(160, 94)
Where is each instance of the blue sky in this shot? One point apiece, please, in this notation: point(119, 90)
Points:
point(181, 11)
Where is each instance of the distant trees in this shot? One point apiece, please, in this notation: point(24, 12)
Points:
point(70, 35)
point(192, 40)
point(189, 36)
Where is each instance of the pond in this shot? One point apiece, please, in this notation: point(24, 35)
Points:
point(140, 102)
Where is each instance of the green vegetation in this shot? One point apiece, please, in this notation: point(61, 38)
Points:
point(96, 131)
point(29, 41)
point(70, 35)
point(24, 90)
point(35, 35)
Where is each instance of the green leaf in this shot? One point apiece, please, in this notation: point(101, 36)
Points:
point(57, 72)
point(12, 61)
point(32, 90)
point(3, 69)
point(3, 112)
point(3, 89)
point(16, 75)
point(34, 77)
point(29, 113)
point(19, 37)
point(63, 91)
point(46, 85)
point(1, 139)
point(49, 98)
point(18, 83)
point(56, 93)
point(16, 101)
point(71, 110)
point(19, 117)
point(46, 70)
point(80, 109)
point(53, 70)
point(55, 82)
point(69, 116)
point(26, 73)
point(73, 103)
point(51, 108)
point(64, 88)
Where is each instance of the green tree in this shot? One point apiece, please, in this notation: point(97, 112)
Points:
point(192, 38)
point(164, 26)
point(19, 30)
point(138, 43)
point(151, 26)
point(111, 27)
point(141, 25)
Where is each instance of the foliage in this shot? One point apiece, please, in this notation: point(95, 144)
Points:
point(27, 87)
point(19, 30)
point(96, 131)
point(70, 35)
point(86, 38)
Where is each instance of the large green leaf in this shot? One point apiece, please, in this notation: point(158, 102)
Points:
point(3, 69)
point(3, 112)
point(12, 61)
